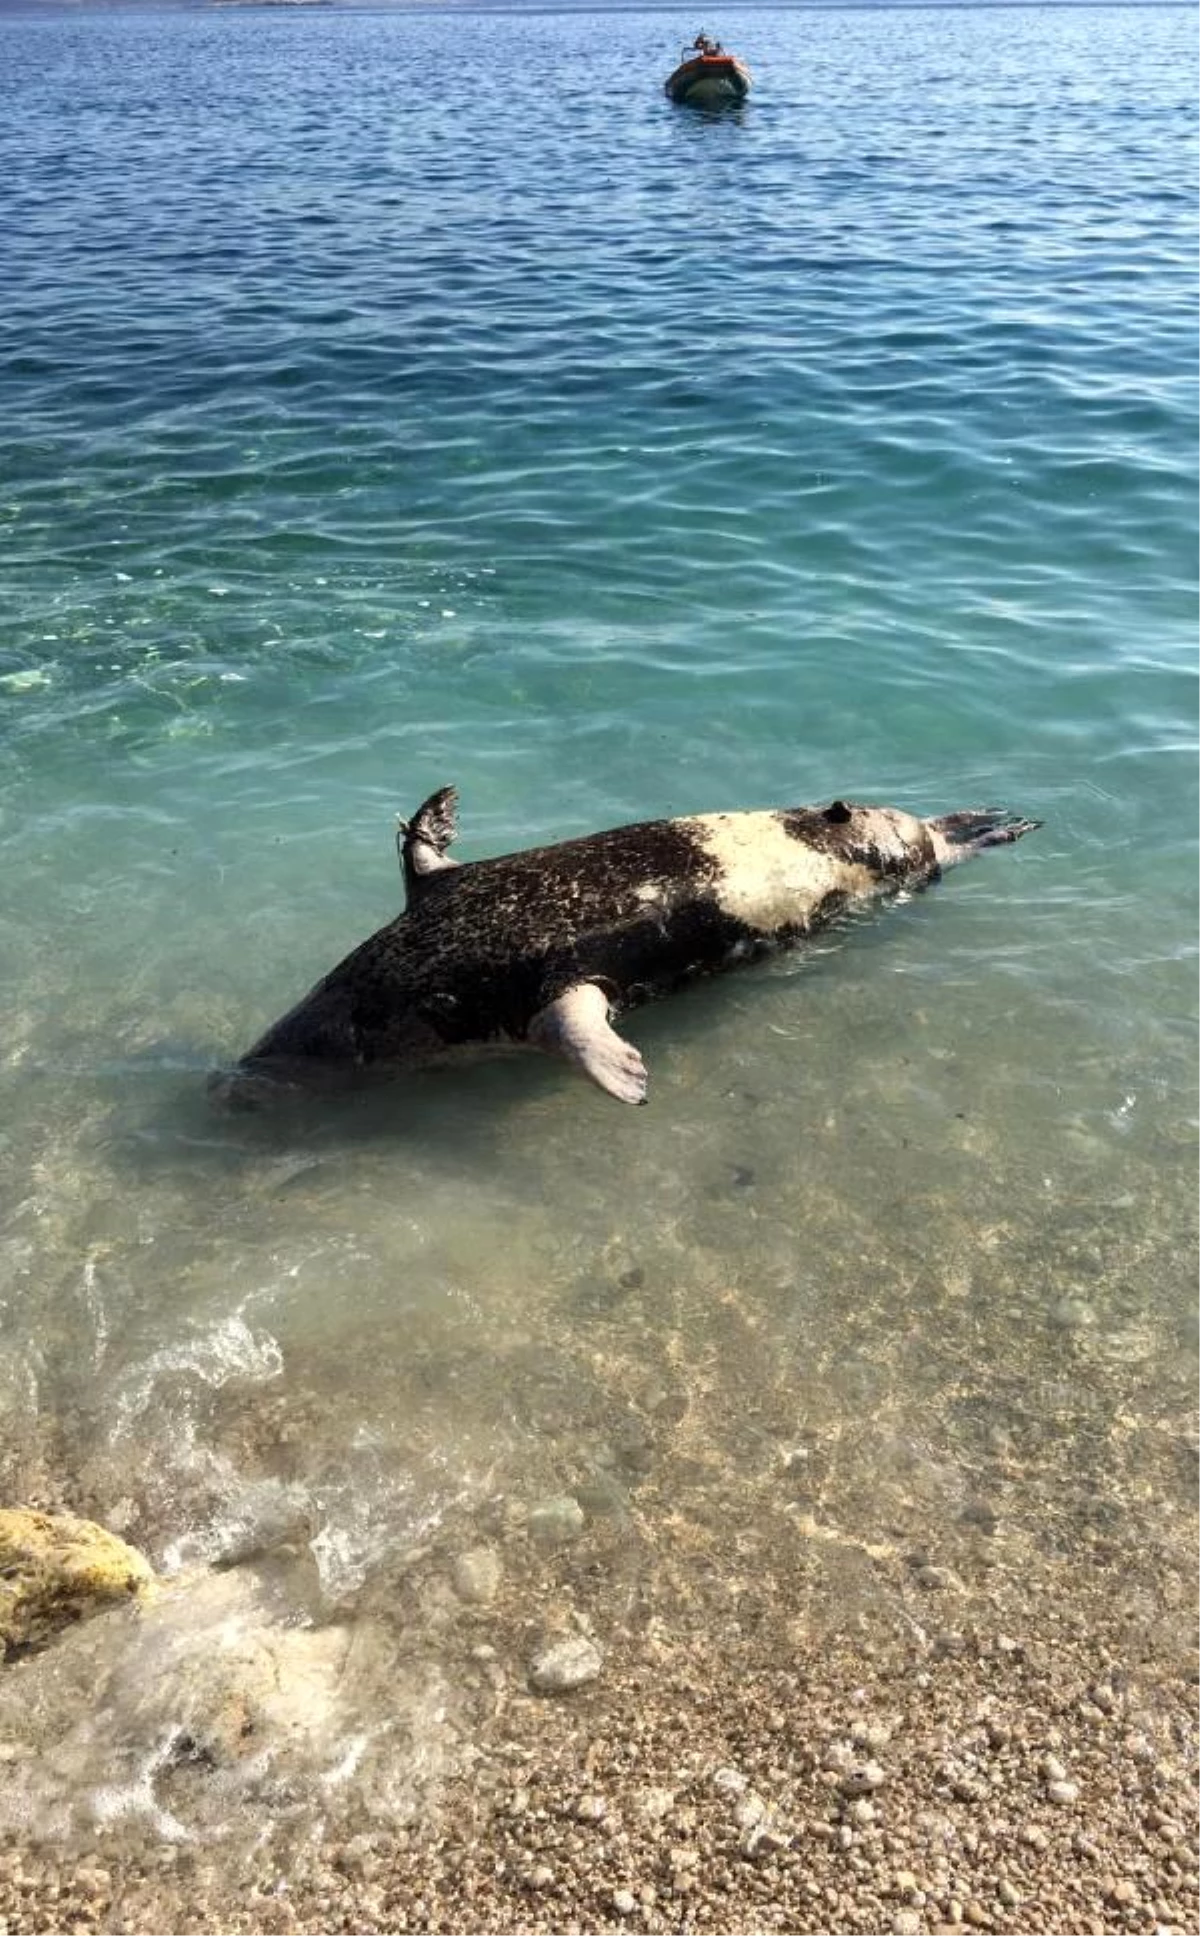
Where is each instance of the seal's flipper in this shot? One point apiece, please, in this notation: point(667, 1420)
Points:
point(576, 1027)
point(956, 836)
point(423, 840)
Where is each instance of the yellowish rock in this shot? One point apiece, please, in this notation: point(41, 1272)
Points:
point(56, 1569)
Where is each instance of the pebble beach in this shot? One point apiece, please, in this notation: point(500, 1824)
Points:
point(852, 1790)
point(668, 1699)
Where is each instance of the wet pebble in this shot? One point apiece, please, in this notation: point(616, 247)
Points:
point(970, 1788)
point(862, 1779)
point(602, 1498)
point(555, 1522)
point(872, 1735)
point(1071, 1314)
point(476, 1575)
point(749, 1811)
point(565, 1665)
point(935, 1579)
point(633, 1448)
point(1063, 1792)
point(981, 1514)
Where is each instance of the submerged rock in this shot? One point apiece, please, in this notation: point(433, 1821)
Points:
point(216, 1676)
point(555, 1522)
point(565, 1665)
point(211, 1701)
point(476, 1575)
point(56, 1569)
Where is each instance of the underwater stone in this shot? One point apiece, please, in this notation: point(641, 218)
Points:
point(1072, 1314)
point(566, 1665)
point(601, 1497)
point(554, 1522)
point(211, 1670)
point(476, 1575)
point(56, 1569)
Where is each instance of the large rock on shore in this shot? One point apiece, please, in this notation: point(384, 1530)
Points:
point(213, 1702)
point(56, 1570)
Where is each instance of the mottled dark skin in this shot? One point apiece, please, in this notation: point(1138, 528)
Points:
point(488, 944)
point(849, 834)
point(484, 950)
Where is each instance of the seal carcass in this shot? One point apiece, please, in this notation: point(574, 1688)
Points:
point(542, 948)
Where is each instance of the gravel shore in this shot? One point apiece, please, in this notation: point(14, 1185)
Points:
point(1025, 1784)
point(892, 1631)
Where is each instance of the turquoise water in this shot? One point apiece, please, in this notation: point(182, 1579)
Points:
point(390, 400)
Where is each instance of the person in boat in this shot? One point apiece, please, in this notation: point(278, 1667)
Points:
point(703, 45)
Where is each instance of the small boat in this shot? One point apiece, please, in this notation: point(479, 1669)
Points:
point(708, 77)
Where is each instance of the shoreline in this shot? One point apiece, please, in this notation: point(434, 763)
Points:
point(917, 1663)
point(1027, 1783)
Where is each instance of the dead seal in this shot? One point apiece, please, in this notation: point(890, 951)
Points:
point(542, 948)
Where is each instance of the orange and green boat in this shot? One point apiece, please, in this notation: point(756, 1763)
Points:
point(708, 77)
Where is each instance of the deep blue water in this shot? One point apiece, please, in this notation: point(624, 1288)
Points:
point(393, 399)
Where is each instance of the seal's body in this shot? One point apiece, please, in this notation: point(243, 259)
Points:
point(541, 948)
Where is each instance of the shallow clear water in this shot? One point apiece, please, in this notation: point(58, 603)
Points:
point(386, 402)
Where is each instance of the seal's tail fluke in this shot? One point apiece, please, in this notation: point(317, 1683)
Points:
point(971, 829)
